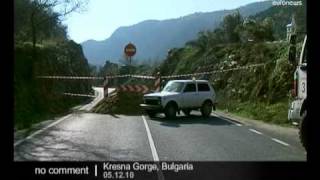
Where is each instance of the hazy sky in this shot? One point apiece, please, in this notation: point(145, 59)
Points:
point(103, 17)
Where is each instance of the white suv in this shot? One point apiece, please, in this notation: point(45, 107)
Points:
point(185, 95)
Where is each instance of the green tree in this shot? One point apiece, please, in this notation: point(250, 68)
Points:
point(229, 25)
point(217, 36)
point(256, 31)
point(267, 26)
point(35, 19)
point(201, 43)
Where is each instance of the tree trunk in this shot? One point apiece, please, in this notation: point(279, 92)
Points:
point(34, 41)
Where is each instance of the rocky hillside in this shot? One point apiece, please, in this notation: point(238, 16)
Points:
point(260, 93)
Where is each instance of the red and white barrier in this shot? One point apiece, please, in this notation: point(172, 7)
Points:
point(133, 88)
point(157, 82)
point(143, 88)
point(70, 77)
point(82, 95)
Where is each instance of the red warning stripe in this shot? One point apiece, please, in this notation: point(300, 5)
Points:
point(138, 88)
point(123, 88)
point(157, 84)
point(134, 88)
point(145, 89)
point(131, 88)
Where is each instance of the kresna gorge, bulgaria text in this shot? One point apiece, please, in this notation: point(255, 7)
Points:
point(149, 167)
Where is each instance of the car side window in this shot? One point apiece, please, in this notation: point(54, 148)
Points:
point(203, 87)
point(190, 87)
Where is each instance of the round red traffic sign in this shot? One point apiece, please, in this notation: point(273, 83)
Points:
point(130, 50)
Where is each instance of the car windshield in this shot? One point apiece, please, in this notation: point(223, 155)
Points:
point(173, 87)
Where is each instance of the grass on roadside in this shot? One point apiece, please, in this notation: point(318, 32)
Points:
point(270, 113)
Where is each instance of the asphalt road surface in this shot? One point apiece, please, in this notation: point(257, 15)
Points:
point(82, 136)
point(99, 93)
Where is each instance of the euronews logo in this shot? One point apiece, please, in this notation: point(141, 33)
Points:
point(286, 3)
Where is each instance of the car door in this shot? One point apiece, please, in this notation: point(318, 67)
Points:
point(204, 92)
point(189, 95)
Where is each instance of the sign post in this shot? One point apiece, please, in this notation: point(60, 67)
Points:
point(105, 87)
point(130, 50)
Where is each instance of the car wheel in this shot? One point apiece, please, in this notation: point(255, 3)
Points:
point(206, 109)
point(186, 112)
point(170, 111)
point(303, 131)
point(151, 113)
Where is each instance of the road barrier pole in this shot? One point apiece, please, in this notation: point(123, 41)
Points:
point(105, 87)
point(157, 82)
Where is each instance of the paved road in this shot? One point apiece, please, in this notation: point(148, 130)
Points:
point(218, 139)
point(88, 136)
point(99, 93)
point(82, 136)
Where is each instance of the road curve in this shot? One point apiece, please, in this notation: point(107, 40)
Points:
point(82, 136)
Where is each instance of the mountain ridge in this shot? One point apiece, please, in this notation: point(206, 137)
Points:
point(153, 38)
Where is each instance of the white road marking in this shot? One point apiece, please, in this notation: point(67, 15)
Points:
point(152, 146)
point(41, 130)
point(95, 170)
point(255, 131)
point(279, 141)
point(237, 124)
